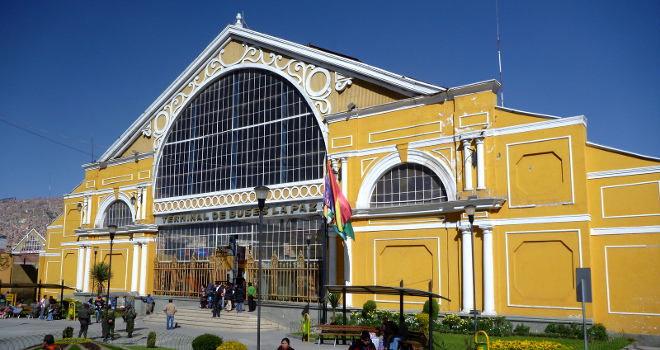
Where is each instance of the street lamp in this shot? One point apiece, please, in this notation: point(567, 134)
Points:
point(469, 211)
point(308, 240)
point(262, 193)
point(96, 250)
point(112, 229)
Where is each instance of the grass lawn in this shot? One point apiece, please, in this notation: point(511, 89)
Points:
point(145, 348)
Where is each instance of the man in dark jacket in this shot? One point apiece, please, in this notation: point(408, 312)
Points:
point(108, 323)
point(216, 299)
point(130, 320)
point(83, 316)
point(229, 296)
point(364, 343)
point(239, 297)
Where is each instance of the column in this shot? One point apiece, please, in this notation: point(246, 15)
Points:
point(489, 278)
point(136, 266)
point(481, 164)
point(468, 297)
point(86, 268)
point(80, 267)
point(467, 164)
point(143, 268)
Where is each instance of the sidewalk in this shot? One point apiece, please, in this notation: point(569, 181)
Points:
point(27, 329)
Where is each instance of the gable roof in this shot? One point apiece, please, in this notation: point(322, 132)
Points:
point(320, 58)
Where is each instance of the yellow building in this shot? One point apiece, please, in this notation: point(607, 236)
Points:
point(253, 109)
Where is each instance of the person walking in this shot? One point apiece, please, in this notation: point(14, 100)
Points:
point(130, 320)
point(170, 310)
point(98, 306)
point(216, 299)
point(252, 294)
point(150, 304)
point(239, 297)
point(83, 318)
point(44, 306)
point(229, 296)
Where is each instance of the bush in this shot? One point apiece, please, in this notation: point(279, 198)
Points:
point(369, 309)
point(423, 322)
point(570, 331)
point(436, 308)
point(67, 332)
point(206, 342)
point(598, 332)
point(521, 329)
point(232, 345)
point(151, 340)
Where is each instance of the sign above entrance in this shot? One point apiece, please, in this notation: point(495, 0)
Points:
point(302, 209)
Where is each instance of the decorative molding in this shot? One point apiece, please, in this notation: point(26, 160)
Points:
point(335, 142)
point(624, 230)
point(623, 172)
point(460, 120)
point(144, 174)
point(288, 193)
point(117, 179)
point(602, 200)
point(607, 281)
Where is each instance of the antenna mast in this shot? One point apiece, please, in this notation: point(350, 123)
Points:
point(499, 51)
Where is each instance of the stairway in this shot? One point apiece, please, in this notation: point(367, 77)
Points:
point(203, 318)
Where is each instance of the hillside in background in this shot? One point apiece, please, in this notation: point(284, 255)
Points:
point(19, 216)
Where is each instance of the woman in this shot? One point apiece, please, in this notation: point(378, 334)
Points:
point(284, 344)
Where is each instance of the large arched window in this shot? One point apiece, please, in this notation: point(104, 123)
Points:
point(251, 127)
point(118, 213)
point(408, 184)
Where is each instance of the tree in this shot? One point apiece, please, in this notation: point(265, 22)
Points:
point(100, 274)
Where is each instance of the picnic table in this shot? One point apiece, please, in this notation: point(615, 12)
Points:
point(340, 330)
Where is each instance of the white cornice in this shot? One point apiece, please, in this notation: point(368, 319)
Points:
point(616, 150)
point(623, 172)
point(119, 161)
point(624, 230)
point(547, 116)
point(346, 66)
point(535, 220)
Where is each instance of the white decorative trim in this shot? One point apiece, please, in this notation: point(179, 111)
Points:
point(460, 120)
point(547, 116)
point(508, 278)
point(106, 202)
point(570, 164)
point(365, 164)
point(284, 193)
point(144, 174)
point(536, 220)
point(399, 227)
point(607, 281)
point(441, 218)
point(350, 141)
point(414, 156)
point(602, 200)
point(623, 172)
point(90, 184)
point(449, 160)
point(624, 230)
point(117, 179)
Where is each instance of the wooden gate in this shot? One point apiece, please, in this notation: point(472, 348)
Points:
point(186, 278)
point(292, 281)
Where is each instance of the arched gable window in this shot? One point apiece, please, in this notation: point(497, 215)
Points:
point(408, 184)
point(118, 213)
point(251, 127)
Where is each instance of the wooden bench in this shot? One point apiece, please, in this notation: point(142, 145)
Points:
point(412, 344)
point(339, 330)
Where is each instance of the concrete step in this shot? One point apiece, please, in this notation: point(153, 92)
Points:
point(203, 318)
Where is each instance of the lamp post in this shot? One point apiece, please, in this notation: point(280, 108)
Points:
point(308, 240)
point(112, 229)
point(262, 194)
point(469, 210)
point(96, 251)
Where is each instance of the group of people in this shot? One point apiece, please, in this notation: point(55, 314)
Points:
point(45, 308)
point(107, 316)
point(225, 296)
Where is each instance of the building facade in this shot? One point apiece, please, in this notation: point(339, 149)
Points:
point(254, 110)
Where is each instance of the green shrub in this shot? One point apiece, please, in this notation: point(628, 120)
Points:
point(423, 322)
point(598, 332)
point(206, 342)
point(521, 329)
point(369, 309)
point(570, 331)
point(500, 326)
point(436, 308)
point(151, 340)
point(232, 345)
point(67, 332)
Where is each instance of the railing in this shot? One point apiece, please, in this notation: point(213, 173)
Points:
point(185, 278)
point(289, 281)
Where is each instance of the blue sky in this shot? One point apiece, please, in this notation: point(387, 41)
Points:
point(71, 71)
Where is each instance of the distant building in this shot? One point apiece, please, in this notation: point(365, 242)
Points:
point(253, 109)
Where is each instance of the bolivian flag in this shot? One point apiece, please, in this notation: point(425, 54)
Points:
point(335, 206)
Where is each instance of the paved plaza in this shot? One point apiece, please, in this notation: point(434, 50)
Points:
point(13, 329)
